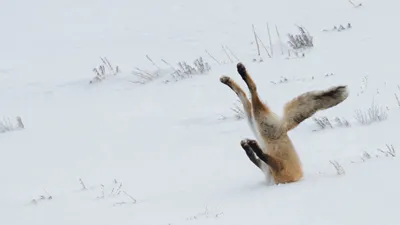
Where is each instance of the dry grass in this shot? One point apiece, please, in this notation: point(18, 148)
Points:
point(373, 114)
point(7, 124)
point(104, 70)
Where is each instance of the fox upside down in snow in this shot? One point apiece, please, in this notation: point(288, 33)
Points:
point(277, 156)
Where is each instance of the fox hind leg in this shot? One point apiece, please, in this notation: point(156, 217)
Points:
point(255, 99)
point(243, 99)
point(269, 124)
point(239, 92)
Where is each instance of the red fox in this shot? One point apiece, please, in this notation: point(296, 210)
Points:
point(277, 155)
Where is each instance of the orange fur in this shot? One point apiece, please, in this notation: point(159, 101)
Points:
point(277, 150)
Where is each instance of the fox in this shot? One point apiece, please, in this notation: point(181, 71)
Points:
point(273, 151)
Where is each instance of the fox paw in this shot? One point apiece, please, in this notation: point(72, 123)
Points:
point(252, 143)
point(244, 142)
point(225, 79)
point(248, 143)
point(241, 70)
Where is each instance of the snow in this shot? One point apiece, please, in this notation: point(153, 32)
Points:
point(175, 146)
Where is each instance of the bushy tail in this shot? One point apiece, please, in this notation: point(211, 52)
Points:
point(305, 105)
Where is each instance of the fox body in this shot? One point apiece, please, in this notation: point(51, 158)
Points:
point(273, 152)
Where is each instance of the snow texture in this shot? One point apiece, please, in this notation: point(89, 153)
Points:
point(167, 151)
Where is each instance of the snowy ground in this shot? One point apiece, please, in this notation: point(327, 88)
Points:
point(174, 146)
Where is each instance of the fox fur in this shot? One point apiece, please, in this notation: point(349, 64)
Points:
point(276, 155)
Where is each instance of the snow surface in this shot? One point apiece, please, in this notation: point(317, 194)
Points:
point(167, 143)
